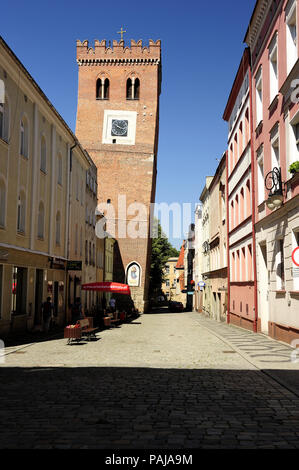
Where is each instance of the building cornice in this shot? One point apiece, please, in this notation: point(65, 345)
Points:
point(256, 21)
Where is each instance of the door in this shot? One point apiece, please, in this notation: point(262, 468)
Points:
point(263, 288)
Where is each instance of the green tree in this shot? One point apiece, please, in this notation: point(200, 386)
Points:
point(162, 250)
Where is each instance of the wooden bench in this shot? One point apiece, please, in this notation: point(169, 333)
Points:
point(87, 329)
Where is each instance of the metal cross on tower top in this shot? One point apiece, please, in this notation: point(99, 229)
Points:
point(121, 32)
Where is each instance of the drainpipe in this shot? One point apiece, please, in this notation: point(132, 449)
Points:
point(255, 323)
point(227, 243)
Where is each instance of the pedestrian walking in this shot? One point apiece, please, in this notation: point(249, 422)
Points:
point(47, 312)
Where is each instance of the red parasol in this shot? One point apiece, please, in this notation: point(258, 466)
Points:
point(113, 287)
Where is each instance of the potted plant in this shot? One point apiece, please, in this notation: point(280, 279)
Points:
point(294, 168)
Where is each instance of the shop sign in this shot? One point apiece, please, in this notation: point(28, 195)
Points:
point(74, 266)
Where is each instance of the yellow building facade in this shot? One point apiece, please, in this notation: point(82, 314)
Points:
point(42, 200)
point(171, 285)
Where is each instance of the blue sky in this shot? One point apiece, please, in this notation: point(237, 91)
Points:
point(202, 45)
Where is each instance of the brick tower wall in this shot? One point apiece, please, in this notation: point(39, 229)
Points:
point(128, 170)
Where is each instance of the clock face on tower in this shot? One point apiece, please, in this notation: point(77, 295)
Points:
point(119, 128)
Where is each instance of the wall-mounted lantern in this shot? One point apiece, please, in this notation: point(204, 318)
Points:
point(276, 188)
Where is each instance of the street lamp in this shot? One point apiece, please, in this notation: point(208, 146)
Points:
point(276, 187)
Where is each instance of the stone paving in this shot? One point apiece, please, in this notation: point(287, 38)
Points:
point(165, 381)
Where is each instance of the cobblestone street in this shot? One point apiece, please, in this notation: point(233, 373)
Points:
point(167, 381)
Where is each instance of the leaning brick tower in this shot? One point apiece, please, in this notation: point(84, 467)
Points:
point(118, 124)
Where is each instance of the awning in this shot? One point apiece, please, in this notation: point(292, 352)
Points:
point(113, 287)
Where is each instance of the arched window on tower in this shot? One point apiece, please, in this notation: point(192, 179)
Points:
point(136, 89)
point(106, 89)
point(102, 89)
point(99, 89)
point(129, 89)
point(133, 89)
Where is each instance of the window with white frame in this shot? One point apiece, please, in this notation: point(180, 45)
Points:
point(275, 160)
point(2, 203)
point(292, 133)
point(58, 228)
point(43, 155)
point(273, 63)
point(24, 138)
point(59, 169)
point(40, 221)
point(291, 34)
point(4, 121)
point(76, 239)
point(21, 213)
point(77, 187)
point(259, 96)
point(260, 179)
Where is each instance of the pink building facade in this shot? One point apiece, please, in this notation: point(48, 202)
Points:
point(240, 234)
point(272, 38)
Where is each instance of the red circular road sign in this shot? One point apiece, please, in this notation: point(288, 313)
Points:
point(293, 256)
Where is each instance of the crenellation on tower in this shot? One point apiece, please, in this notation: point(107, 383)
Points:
point(118, 51)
